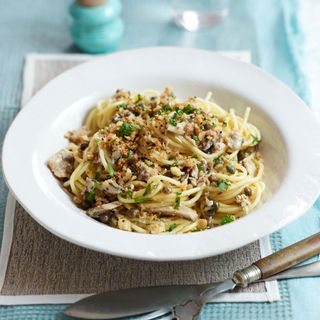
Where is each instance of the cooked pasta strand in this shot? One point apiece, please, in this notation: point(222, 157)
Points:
point(149, 163)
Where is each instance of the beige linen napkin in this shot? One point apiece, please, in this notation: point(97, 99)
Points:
point(38, 267)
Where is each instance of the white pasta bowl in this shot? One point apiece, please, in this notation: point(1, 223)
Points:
point(290, 147)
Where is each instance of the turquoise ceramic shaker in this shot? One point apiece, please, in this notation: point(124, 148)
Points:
point(97, 25)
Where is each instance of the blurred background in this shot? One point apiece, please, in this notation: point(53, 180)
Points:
point(277, 33)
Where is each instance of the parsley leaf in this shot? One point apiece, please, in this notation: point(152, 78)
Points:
point(141, 106)
point(122, 105)
point(166, 107)
point(196, 139)
point(255, 139)
point(96, 184)
point(179, 112)
point(199, 166)
point(91, 197)
point(110, 170)
point(141, 199)
point(172, 226)
point(173, 122)
point(178, 200)
point(227, 219)
point(218, 159)
point(130, 154)
point(174, 163)
point(129, 192)
point(127, 128)
point(223, 185)
point(147, 189)
point(188, 109)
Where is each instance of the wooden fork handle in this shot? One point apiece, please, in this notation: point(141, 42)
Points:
point(289, 256)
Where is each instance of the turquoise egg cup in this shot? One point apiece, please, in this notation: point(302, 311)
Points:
point(97, 29)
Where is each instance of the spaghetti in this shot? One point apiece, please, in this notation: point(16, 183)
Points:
point(150, 163)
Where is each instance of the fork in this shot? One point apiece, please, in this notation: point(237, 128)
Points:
point(161, 314)
point(307, 270)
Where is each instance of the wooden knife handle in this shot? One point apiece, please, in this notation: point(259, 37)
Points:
point(278, 261)
point(289, 256)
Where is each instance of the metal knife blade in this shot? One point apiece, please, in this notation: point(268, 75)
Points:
point(190, 309)
point(103, 307)
point(130, 302)
point(138, 301)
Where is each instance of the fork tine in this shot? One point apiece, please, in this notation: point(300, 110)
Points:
point(156, 314)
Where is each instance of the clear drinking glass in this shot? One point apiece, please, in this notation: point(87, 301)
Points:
point(193, 15)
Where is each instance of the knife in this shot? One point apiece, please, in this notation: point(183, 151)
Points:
point(190, 309)
point(129, 302)
point(135, 301)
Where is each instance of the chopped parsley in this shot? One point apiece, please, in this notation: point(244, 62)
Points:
point(147, 189)
point(188, 109)
point(98, 175)
point(218, 159)
point(178, 200)
point(96, 184)
point(227, 219)
point(130, 154)
point(224, 123)
point(127, 128)
point(174, 163)
point(122, 106)
point(172, 226)
point(223, 185)
point(141, 199)
point(173, 122)
point(141, 105)
point(110, 170)
point(91, 197)
point(255, 139)
point(194, 156)
point(179, 112)
point(129, 192)
point(166, 107)
point(199, 166)
point(196, 139)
